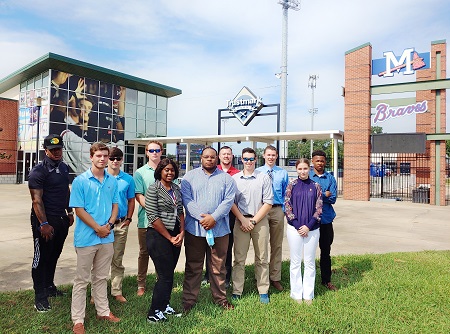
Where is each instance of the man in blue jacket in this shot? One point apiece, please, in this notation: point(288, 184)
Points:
point(329, 193)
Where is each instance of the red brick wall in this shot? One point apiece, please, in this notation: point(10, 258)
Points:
point(9, 118)
point(357, 123)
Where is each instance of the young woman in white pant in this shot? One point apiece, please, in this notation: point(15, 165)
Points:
point(303, 207)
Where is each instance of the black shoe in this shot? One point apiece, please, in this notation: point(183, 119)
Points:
point(52, 291)
point(42, 306)
point(227, 284)
point(158, 316)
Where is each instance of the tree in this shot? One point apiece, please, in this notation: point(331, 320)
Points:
point(301, 149)
point(376, 130)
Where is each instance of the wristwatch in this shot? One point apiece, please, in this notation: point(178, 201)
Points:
point(129, 219)
point(253, 222)
point(111, 225)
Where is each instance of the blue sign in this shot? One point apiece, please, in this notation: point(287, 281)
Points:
point(407, 63)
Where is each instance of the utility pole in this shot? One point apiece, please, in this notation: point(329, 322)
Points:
point(312, 111)
point(295, 5)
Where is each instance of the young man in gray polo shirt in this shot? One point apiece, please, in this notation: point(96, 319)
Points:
point(254, 198)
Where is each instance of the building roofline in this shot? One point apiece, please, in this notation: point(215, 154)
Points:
point(81, 68)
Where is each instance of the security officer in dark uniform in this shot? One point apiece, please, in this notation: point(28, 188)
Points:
point(50, 219)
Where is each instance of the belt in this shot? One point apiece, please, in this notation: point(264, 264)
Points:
point(276, 205)
point(248, 216)
point(120, 220)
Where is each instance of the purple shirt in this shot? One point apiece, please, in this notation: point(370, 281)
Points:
point(303, 203)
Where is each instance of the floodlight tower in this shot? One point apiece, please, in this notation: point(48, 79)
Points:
point(295, 5)
point(312, 84)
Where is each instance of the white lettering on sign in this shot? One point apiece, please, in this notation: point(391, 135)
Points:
point(384, 112)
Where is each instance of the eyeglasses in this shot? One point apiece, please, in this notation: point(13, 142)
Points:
point(248, 159)
point(153, 150)
point(115, 158)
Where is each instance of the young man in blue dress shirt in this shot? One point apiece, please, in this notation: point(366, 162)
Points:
point(280, 180)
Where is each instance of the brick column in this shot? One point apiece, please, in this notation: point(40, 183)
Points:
point(358, 76)
point(426, 122)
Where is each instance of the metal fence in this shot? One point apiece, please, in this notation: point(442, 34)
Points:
point(403, 177)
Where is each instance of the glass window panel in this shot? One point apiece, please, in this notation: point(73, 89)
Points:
point(161, 116)
point(130, 109)
point(30, 84)
point(140, 128)
point(151, 100)
point(130, 125)
point(45, 79)
point(57, 127)
point(161, 129)
point(23, 86)
point(141, 98)
point(76, 83)
point(140, 113)
point(105, 105)
point(106, 90)
point(91, 86)
point(151, 129)
point(59, 79)
point(59, 96)
point(132, 96)
point(37, 81)
point(150, 114)
point(161, 102)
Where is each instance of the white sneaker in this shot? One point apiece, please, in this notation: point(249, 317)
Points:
point(157, 317)
point(170, 311)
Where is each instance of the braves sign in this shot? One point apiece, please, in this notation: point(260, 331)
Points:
point(384, 112)
point(245, 106)
point(407, 63)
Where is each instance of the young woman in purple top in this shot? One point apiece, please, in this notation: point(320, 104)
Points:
point(303, 203)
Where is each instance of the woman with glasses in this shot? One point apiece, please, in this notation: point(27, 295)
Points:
point(303, 207)
point(165, 234)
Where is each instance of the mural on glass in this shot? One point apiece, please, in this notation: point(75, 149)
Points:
point(84, 111)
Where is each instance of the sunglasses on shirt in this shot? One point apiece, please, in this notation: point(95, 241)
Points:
point(115, 158)
point(248, 159)
point(153, 150)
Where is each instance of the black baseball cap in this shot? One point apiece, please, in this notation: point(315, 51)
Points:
point(53, 141)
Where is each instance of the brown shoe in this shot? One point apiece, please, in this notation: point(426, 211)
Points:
point(226, 305)
point(111, 317)
point(120, 298)
point(187, 309)
point(140, 292)
point(277, 285)
point(330, 286)
point(78, 328)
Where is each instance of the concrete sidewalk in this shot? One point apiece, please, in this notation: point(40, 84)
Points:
point(360, 227)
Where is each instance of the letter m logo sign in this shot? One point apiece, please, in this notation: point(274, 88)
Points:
point(408, 63)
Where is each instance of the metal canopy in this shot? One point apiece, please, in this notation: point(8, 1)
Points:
point(266, 138)
point(73, 66)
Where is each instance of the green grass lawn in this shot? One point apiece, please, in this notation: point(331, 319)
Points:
point(389, 293)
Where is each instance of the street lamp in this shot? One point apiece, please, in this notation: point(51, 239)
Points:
point(38, 121)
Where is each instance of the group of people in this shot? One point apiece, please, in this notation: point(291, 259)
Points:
point(216, 211)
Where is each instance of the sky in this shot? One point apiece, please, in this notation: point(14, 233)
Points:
point(211, 49)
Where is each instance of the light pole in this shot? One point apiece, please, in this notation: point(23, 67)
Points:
point(295, 5)
point(313, 111)
point(38, 121)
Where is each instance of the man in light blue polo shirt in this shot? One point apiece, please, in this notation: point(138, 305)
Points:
point(94, 197)
point(280, 180)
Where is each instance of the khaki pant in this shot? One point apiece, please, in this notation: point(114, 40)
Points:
point(260, 238)
point(92, 261)
point(117, 268)
point(276, 231)
point(143, 258)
